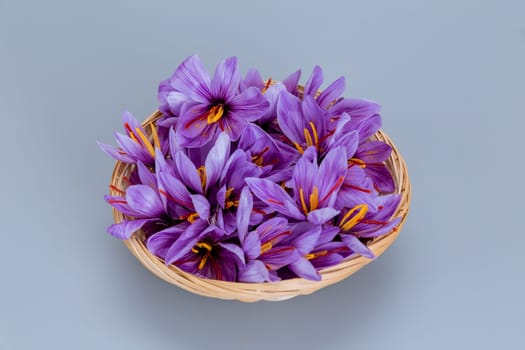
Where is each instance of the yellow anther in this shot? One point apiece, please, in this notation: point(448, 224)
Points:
point(204, 245)
point(314, 198)
point(358, 212)
point(203, 261)
point(155, 135)
point(145, 142)
point(299, 148)
point(316, 255)
point(215, 113)
point(358, 162)
point(192, 217)
point(266, 247)
point(308, 137)
point(303, 203)
point(202, 174)
point(314, 132)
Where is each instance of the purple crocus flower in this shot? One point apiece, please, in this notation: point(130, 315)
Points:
point(207, 106)
point(263, 247)
point(314, 187)
point(358, 223)
point(135, 146)
point(306, 124)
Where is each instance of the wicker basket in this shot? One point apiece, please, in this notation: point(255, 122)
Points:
point(275, 291)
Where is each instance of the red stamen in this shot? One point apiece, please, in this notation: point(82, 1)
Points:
point(120, 201)
point(116, 189)
point(196, 120)
point(259, 211)
point(333, 188)
point(274, 201)
point(357, 188)
point(372, 222)
point(175, 200)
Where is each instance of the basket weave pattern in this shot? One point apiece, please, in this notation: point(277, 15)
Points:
point(275, 291)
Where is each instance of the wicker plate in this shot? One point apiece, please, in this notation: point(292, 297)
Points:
point(275, 291)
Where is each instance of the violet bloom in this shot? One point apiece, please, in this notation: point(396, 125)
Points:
point(263, 247)
point(135, 145)
point(270, 89)
point(306, 124)
point(208, 106)
point(358, 223)
point(272, 156)
point(315, 188)
point(212, 255)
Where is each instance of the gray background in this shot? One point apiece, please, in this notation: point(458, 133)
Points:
point(450, 76)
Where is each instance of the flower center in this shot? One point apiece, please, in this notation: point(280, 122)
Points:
point(258, 159)
point(216, 112)
point(191, 217)
point(353, 216)
point(205, 249)
point(313, 199)
point(227, 202)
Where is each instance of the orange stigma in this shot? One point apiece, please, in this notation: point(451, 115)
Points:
point(215, 113)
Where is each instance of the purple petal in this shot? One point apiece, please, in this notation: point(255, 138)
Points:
point(252, 78)
point(175, 190)
point(254, 272)
point(304, 269)
point(248, 106)
point(144, 200)
point(187, 172)
point(331, 93)
point(290, 117)
point(306, 237)
point(235, 250)
point(292, 81)
point(174, 141)
point(314, 82)
point(358, 109)
point(145, 176)
point(126, 228)
point(382, 177)
point(192, 79)
point(186, 241)
point(271, 230)
point(278, 257)
point(174, 101)
point(244, 212)
point(349, 142)
point(226, 79)
point(368, 126)
point(160, 242)
point(115, 153)
point(357, 246)
point(133, 149)
point(373, 152)
point(331, 175)
point(275, 197)
point(252, 245)
point(201, 205)
point(216, 159)
point(320, 216)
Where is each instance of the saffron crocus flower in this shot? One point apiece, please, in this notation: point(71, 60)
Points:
point(212, 256)
point(135, 145)
point(358, 223)
point(263, 248)
point(272, 156)
point(314, 187)
point(306, 124)
point(208, 106)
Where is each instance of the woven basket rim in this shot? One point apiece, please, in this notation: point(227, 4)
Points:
point(278, 290)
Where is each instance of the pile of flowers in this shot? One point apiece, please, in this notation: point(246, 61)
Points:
point(248, 180)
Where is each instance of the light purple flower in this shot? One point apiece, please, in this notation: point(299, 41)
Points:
point(207, 106)
point(135, 145)
point(314, 188)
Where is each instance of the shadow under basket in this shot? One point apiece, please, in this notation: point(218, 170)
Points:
point(271, 291)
